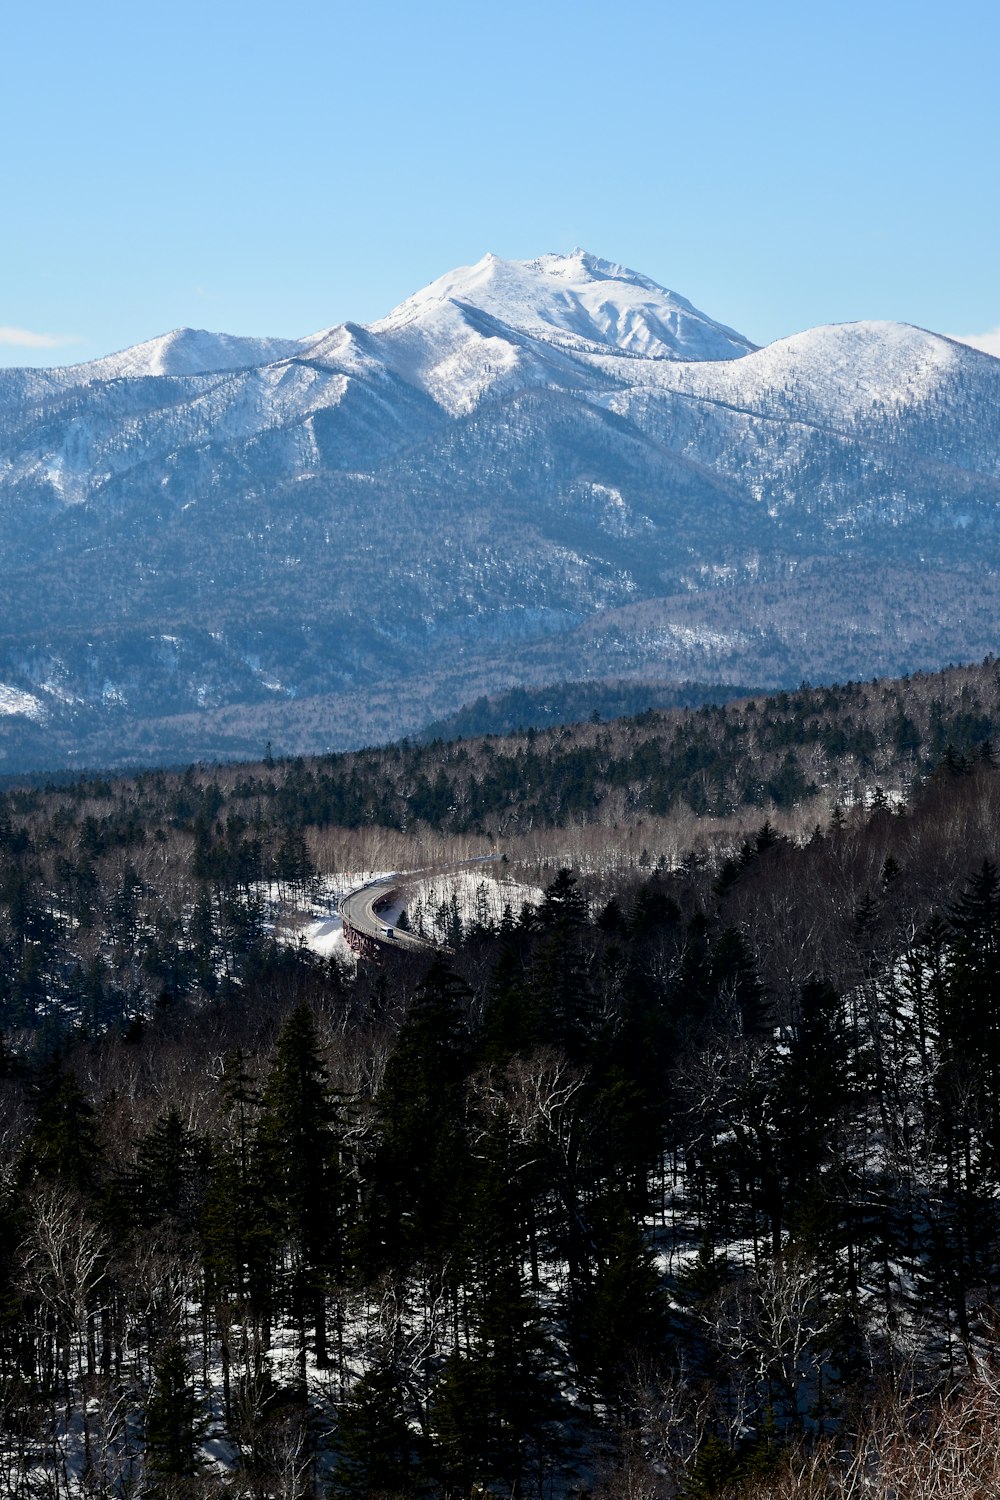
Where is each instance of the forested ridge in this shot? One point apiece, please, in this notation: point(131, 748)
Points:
point(757, 752)
point(681, 1181)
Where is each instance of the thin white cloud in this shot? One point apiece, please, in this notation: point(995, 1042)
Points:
point(24, 338)
point(988, 342)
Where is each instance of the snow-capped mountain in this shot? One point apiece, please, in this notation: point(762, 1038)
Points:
point(187, 351)
point(500, 324)
point(578, 301)
point(528, 470)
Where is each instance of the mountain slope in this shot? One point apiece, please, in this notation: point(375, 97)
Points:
point(529, 470)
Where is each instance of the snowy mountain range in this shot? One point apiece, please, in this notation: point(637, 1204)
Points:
point(528, 471)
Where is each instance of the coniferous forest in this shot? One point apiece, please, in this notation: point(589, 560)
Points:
point(679, 1179)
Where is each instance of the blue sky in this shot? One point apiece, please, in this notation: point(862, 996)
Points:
point(269, 169)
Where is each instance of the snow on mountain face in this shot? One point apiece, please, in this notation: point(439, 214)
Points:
point(14, 701)
point(838, 370)
point(576, 299)
point(451, 351)
point(574, 324)
point(189, 351)
point(459, 337)
point(502, 325)
point(516, 447)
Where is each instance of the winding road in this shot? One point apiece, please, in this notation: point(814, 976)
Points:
point(358, 909)
point(366, 932)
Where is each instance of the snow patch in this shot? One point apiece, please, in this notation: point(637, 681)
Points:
point(15, 701)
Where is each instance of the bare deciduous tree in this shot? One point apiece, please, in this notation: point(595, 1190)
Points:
point(774, 1327)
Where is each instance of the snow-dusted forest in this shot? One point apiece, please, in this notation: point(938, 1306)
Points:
point(674, 1174)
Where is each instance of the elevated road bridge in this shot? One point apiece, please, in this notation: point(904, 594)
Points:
point(366, 930)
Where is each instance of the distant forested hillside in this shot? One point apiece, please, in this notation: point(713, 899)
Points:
point(573, 703)
point(835, 743)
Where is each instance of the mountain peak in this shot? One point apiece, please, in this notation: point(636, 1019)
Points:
point(581, 265)
point(532, 470)
point(575, 299)
point(189, 351)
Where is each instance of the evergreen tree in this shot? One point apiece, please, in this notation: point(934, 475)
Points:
point(511, 1023)
point(562, 993)
point(563, 906)
point(202, 941)
point(174, 1425)
point(622, 1322)
point(413, 1204)
point(239, 1237)
point(734, 972)
point(63, 1142)
point(375, 1444)
point(970, 1016)
point(456, 928)
point(497, 1406)
point(299, 1152)
point(814, 1089)
point(170, 1174)
point(483, 925)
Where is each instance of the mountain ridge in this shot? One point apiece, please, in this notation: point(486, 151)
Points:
point(526, 472)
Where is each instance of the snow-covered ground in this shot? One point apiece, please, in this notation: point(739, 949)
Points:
point(481, 892)
point(309, 915)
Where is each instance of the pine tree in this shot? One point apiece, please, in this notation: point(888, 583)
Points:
point(562, 993)
point(239, 1237)
point(734, 972)
point(622, 1322)
point(376, 1447)
point(497, 1406)
point(814, 1088)
point(483, 925)
point(511, 1023)
point(456, 929)
point(174, 1425)
point(63, 1143)
point(299, 1152)
point(170, 1174)
point(563, 905)
point(971, 1018)
point(202, 941)
point(413, 1204)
